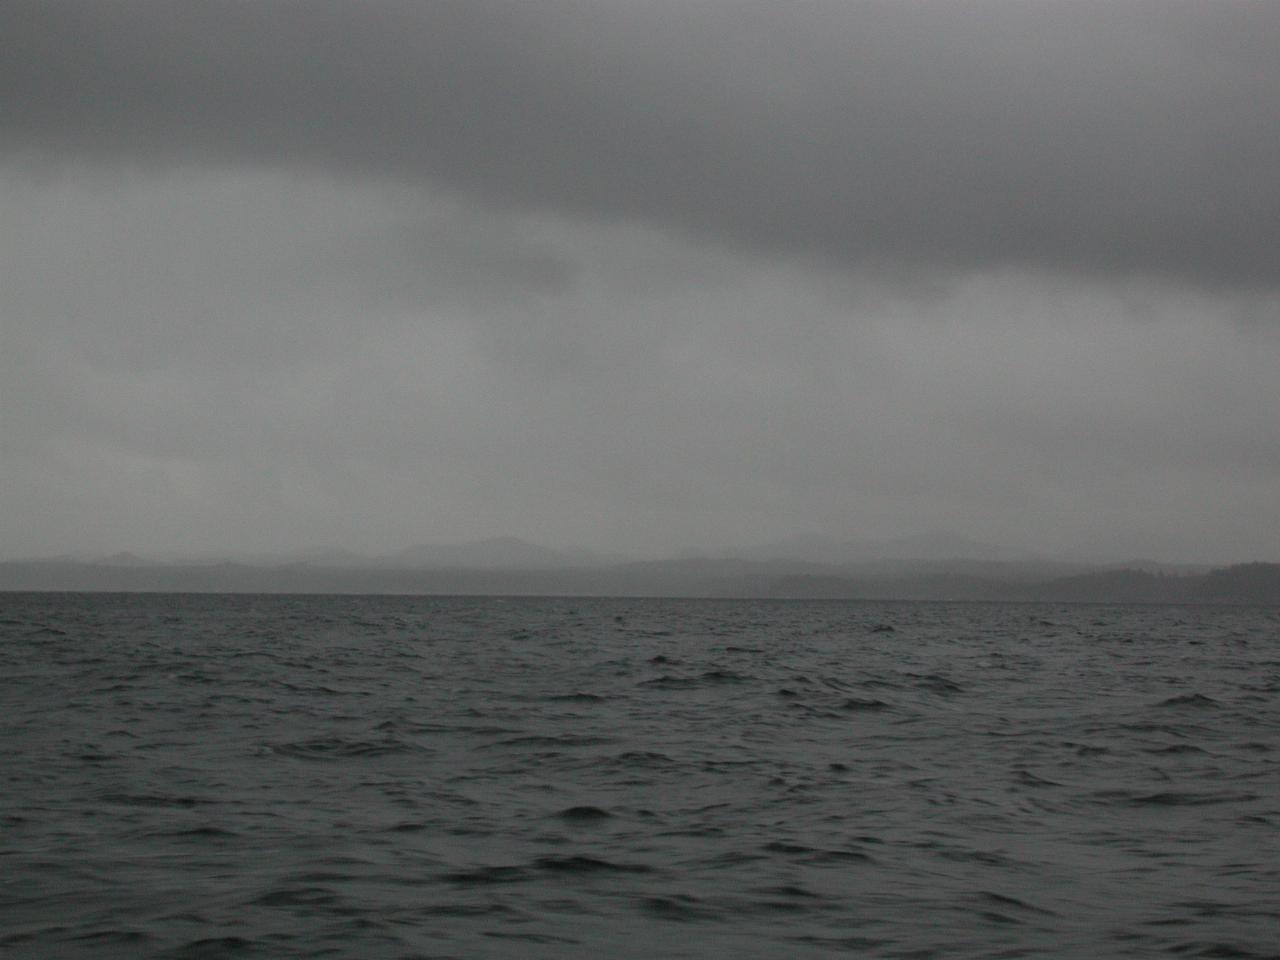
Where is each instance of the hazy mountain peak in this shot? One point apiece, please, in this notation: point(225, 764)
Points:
point(492, 553)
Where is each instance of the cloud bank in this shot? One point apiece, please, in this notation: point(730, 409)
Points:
point(640, 276)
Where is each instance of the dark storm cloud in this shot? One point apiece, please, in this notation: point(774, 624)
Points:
point(1112, 138)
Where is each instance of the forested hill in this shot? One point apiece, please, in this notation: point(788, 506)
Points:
point(1242, 583)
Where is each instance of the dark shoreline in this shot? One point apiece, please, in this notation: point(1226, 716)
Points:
point(1252, 583)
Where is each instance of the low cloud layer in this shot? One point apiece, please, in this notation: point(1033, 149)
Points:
point(639, 277)
point(1112, 138)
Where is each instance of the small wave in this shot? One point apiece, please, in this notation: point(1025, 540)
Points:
point(1227, 951)
point(46, 632)
point(810, 710)
point(584, 864)
point(295, 897)
point(539, 740)
point(854, 704)
point(725, 676)
point(1146, 727)
point(935, 683)
point(792, 890)
point(678, 907)
point(710, 677)
point(95, 758)
point(576, 698)
point(1089, 750)
point(209, 947)
point(975, 856)
point(779, 846)
point(484, 876)
point(542, 938)
point(842, 856)
point(338, 748)
point(466, 909)
point(1198, 700)
point(1006, 901)
point(153, 800)
point(992, 916)
point(879, 684)
point(668, 682)
point(583, 813)
point(818, 855)
point(204, 833)
point(1176, 799)
point(114, 937)
point(843, 943)
point(1170, 798)
point(1029, 779)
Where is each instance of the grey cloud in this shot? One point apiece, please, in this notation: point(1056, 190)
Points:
point(1118, 139)
point(638, 276)
point(264, 362)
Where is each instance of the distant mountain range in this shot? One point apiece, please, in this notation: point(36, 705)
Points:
point(816, 548)
point(498, 553)
point(933, 554)
point(814, 567)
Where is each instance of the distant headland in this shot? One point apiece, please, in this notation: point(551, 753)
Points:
point(508, 566)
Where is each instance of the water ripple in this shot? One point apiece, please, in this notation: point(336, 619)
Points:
point(394, 777)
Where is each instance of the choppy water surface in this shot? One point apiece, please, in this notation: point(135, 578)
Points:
point(195, 776)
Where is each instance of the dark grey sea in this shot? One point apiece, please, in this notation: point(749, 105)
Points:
point(395, 777)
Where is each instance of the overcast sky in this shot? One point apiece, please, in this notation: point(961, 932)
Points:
point(639, 276)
